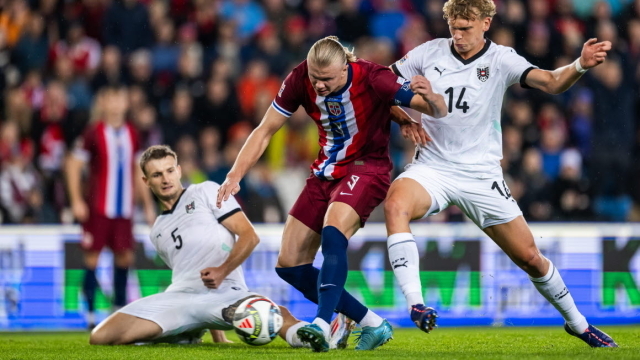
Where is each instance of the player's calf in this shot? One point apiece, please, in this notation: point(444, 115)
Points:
point(120, 329)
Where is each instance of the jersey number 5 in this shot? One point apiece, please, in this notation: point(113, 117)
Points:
point(177, 239)
point(462, 105)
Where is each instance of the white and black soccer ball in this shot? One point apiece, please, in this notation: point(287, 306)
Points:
point(257, 321)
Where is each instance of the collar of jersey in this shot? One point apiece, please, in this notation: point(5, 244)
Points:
point(475, 57)
point(167, 212)
point(346, 85)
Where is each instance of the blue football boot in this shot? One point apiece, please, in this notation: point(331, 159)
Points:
point(372, 337)
point(313, 335)
point(424, 317)
point(594, 337)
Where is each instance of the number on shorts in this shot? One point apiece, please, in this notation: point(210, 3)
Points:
point(506, 194)
point(177, 238)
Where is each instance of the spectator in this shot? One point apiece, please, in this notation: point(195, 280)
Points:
point(13, 20)
point(570, 191)
point(110, 72)
point(248, 15)
point(219, 107)
point(534, 203)
point(145, 121)
point(254, 81)
point(388, 20)
point(83, 51)
point(351, 23)
point(165, 53)
point(19, 194)
point(180, 122)
point(268, 47)
point(31, 51)
point(126, 25)
point(615, 127)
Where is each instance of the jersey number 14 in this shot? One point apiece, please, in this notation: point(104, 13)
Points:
point(462, 105)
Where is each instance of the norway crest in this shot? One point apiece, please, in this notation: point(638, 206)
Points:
point(334, 108)
point(483, 72)
point(190, 207)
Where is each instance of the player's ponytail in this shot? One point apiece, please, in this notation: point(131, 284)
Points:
point(328, 51)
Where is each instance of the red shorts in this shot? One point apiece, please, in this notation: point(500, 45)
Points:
point(99, 231)
point(363, 191)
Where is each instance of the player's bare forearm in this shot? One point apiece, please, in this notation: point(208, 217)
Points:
point(554, 82)
point(432, 105)
point(425, 99)
point(247, 241)
point(73, 169)
point(257, 143)
point(399, 116)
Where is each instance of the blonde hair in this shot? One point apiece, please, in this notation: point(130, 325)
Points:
point(328, 51)
point(468, 9)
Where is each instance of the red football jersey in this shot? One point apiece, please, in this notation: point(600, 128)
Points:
point(111, 154)
point(353, 123)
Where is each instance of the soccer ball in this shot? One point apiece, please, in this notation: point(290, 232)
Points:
point(257, 321)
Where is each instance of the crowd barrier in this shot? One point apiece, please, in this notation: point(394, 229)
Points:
point(464, 275)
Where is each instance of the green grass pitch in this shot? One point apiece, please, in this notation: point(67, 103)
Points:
point(446, 343)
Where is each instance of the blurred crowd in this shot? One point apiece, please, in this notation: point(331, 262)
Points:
point(201, 73)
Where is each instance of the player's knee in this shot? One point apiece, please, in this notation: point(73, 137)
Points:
point(532, 262)
point(100, 336)
point(395, 209)
point(287, 273)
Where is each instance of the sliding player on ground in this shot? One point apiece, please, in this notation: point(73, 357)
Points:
point(197, 240)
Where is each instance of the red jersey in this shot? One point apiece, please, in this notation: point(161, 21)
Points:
point(111, 154)
point(353, 122)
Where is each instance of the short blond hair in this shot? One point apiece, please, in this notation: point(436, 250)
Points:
point(155, 152)
point(468, 9)
point(328, 51)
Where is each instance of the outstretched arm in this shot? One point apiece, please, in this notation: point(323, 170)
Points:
point(250, 153)
point(238, 224)
point(559, 80)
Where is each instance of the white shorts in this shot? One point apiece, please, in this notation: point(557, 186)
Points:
point(486, 202)
point(179, 312)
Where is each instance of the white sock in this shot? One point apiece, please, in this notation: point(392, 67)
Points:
point(292, 337)
point(405, 262)
point(91, 318)
point(326, 329)
point(371, 319)
point(552, 287)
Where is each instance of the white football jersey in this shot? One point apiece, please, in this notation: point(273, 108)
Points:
point(190, 237)
point(469, 138)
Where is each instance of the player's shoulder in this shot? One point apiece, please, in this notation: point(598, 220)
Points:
point(432, 45)
point(502, 50)
point(94, 128)
point(204, 187)
point(300, 71)
point(368, 65)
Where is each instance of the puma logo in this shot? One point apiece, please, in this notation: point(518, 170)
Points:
point(439, 71)
point(395, 266)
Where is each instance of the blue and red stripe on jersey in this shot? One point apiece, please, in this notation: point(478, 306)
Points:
point(353, 123)
point(111, 155)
